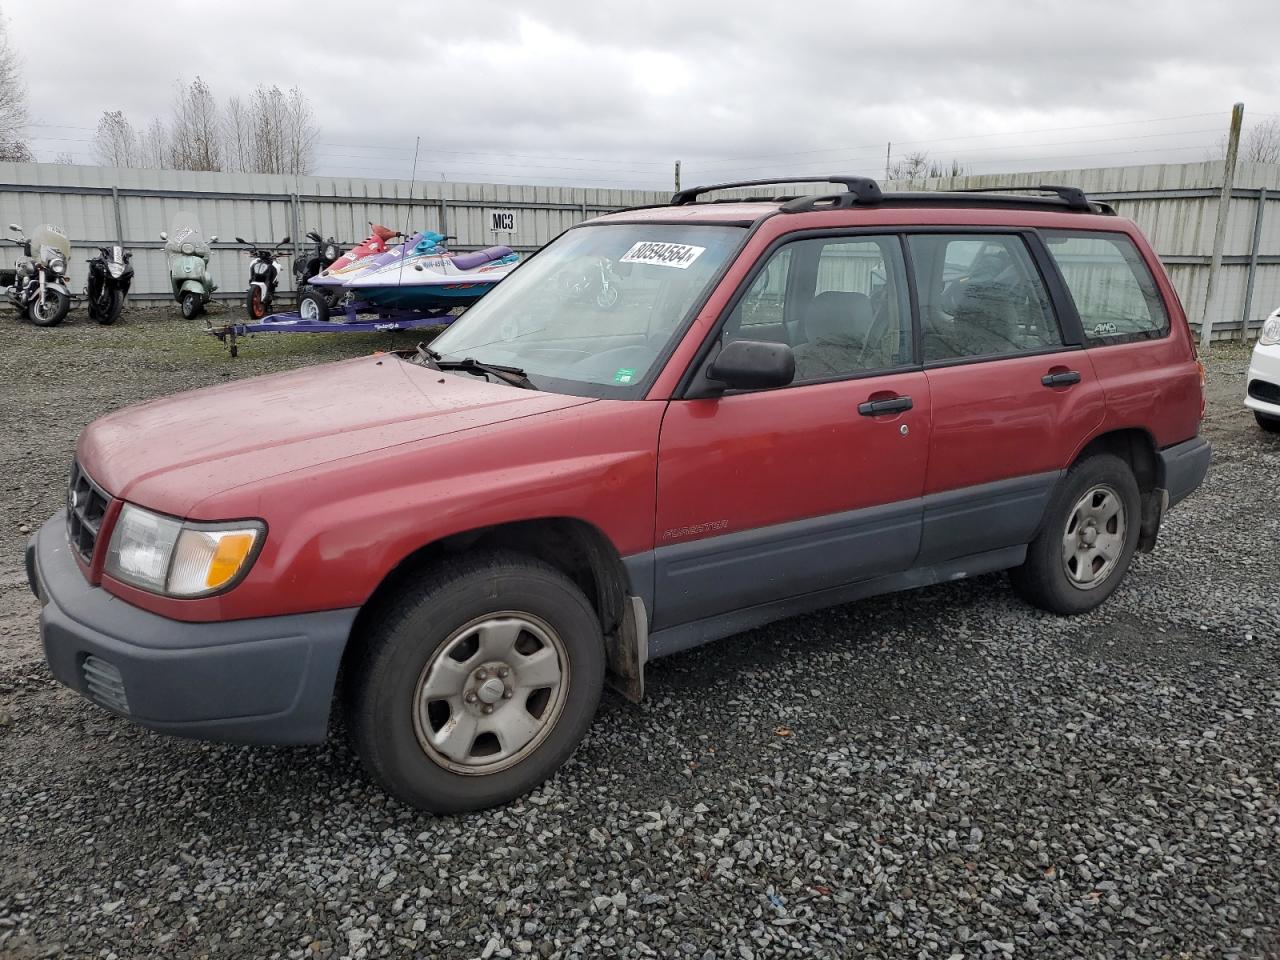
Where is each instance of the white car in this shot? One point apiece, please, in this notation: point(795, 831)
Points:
point(1262, 395)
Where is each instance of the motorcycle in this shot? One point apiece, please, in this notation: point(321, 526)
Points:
point(37, 284)
point(110, 274)
point(189, 276)
point(327, 251)
point(264, 276)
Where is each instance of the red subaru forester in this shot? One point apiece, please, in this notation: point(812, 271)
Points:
point(670, 425)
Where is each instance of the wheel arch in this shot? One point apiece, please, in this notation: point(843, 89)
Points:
point(577, 548)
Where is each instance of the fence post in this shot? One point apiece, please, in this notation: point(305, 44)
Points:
point(1220, 231)
point(444, 217)
point(115, 203)
point(1253, 263)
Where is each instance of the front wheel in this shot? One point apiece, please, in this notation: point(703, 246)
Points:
point(255, 306)
point(1269, 424)
point(475, 685)
point(110, 313)
point(1086, 541)
point(52, 311)
point(191, 305)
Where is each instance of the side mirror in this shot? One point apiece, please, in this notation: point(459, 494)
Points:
point(286, 240)
point(241, 240)
point(214, 238)
point(163, 235)
point(15, 228)
point(753, 365)
point(314, 236)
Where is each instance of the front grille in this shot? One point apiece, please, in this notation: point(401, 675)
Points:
point(1266, 392)
point(104, 684)
point(86, 506)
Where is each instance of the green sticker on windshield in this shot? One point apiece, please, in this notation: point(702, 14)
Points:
point(625, 375)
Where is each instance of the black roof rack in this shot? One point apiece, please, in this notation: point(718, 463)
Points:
point(863, 191)
point(1073, 197)
point(864, 188)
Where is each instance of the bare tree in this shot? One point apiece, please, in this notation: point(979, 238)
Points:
point(13, 102)
point(238, 135)
point(1262, 145)
point(269, 115)
point(114, 142)
point(195, 141)
point(918, 166)
point(153, 146)
point(301, 134)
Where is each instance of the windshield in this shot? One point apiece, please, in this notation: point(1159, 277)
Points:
point(185, 236)
point(48, 241)
point(593, 312)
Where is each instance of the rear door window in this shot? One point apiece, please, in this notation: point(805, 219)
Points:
point(980, 296)
point(1114, 292)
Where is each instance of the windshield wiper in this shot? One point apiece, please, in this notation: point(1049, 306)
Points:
point(512, 375)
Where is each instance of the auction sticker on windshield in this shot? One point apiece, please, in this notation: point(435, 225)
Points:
point(678, 255)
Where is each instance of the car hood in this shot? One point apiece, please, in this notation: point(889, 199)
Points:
point(170, 454)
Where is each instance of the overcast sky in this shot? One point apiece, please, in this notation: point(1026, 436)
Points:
point(601, 93)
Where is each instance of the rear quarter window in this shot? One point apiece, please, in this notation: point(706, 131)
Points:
point(1114, 291)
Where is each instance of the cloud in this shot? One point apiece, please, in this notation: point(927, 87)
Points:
point(569, 91)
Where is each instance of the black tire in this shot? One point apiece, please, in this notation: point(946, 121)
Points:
point(113, 309)
point(1043, 579)
point(191, 306)
point(1269, 424)
point(54, 311)
point(402, 641)
point(254, 305)
point(314, 306)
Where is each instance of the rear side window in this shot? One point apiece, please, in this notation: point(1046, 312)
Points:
point(980, 296)
point(1114, 292)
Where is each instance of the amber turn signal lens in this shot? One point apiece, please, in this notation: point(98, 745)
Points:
point(232, 551)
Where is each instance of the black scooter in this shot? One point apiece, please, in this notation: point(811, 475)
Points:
point(326, 251)
point(110, 275)
point(264, 276)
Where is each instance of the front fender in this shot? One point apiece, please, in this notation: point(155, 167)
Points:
point(191, 286)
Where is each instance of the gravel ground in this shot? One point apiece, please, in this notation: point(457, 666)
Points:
point(945, 773)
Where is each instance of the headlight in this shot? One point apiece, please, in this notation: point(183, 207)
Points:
point(188, 248)
point(177, 559)
point(115, 269)
point(331, 252)
point(58, 266)
point(1270, 331)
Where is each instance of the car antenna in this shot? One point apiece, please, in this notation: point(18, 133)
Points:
point(413, 177)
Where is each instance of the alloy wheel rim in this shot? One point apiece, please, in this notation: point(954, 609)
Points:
point(308, 309)
point(47, 310)
point(491, 693)
point(1094, 537)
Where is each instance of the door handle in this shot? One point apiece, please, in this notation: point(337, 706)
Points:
point(1064, 379)
point(874, 408)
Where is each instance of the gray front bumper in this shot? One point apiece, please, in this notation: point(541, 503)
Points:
point(264, 680)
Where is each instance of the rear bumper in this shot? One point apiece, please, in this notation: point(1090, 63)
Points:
point(265, 680)
point(1262, 385)
point(1183, 467)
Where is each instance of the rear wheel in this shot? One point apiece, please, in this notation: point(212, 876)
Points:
point(1087, 539)
point(110, 312)
point(191, 306)
point(313, 307)
point(477, 684)
point(52, 311)
point(1269, 424)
